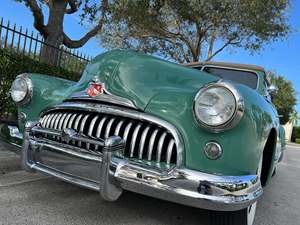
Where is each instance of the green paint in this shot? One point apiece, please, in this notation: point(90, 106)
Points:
point(167, 90)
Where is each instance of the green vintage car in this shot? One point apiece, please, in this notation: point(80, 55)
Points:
point(204, 135)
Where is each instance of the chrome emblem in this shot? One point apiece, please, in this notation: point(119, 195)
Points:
point(95, 89)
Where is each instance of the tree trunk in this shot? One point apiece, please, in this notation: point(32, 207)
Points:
point(50, 51)
point(211, 44)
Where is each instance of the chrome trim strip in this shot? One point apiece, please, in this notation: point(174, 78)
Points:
point(82, 126)
point(71, 121)
point(49, 120)
point(80, 154)
point(61, 121)
point(151, 144)
point(108, 127)
point(14, 132)
point(142, 142)
point(99, 130)
point(67, 135)
point(91, 128)
point(57, 121)
point(133, 139)
point(128, 113)
point(76, 125)
point(118, 128)
point(126, 132)
point(160, 145)
point(11, 138)
point(70, 124)
point(105, 97)
point(65, 124)
point(170, 150)
point(41, 120)
point(44, 122)
point(53, 120)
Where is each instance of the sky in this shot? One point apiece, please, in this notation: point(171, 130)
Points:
point(282, 57)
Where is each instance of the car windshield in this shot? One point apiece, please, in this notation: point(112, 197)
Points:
point(240, 76)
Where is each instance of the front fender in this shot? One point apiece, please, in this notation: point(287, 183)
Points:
point(47, 91)
point(242, 145)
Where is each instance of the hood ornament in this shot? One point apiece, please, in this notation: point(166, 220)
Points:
point(98, 92)
point(95, 89)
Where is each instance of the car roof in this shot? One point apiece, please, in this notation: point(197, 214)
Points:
point(226, 64)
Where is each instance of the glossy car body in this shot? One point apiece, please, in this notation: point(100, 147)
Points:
point(152, 93)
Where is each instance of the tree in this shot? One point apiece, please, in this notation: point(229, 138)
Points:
point(294, 118)
point(188, 31)
point(285, 99)
point(53, 32)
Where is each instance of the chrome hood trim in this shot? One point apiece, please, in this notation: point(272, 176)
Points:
point(105, 97)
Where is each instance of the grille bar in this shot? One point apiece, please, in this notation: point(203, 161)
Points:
point(144, 140)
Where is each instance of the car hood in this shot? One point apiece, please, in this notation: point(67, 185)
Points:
point(139, 77)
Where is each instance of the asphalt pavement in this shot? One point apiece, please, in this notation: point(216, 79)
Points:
point(35, 199)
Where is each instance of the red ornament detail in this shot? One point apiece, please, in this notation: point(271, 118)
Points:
point(95, 89)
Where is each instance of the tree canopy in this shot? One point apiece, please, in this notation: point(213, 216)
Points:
point(295, 116)
point(187, 31)
point(285, 99)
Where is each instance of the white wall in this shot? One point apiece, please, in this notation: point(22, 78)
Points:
point(288, 127)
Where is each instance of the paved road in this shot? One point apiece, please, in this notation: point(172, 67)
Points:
point(36, 199)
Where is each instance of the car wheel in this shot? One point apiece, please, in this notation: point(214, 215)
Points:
point(241, 217)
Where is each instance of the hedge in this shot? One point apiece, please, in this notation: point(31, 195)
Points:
point(295, 134)
point(12, 64)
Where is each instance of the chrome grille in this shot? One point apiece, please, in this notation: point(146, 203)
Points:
point(145, 140)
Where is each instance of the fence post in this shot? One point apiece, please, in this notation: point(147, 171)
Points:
point(1, 24)
point(13, 37)
point(6, 35)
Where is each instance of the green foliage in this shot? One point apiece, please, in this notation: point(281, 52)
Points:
point(295, 134)
point(12, 64)
point(186, 31)
point(294, 117)
point(285, 99)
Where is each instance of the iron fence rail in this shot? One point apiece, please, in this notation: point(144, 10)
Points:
point(30, 44)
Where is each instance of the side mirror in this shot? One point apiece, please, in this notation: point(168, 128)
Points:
point(272, 89)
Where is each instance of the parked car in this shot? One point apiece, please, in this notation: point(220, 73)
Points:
point(204, 134)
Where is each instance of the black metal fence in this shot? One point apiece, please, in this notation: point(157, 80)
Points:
point(30, 44)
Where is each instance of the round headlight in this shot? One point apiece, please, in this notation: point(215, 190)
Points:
point(218, 106)
point(21, 89)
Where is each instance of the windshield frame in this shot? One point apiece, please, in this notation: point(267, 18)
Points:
point(233, 68)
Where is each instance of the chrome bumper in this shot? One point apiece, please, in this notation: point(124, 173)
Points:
point(110, 174)
point(11, 138)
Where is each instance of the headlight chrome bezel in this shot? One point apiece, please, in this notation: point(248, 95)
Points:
point(235, 118)
point(29, 91)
